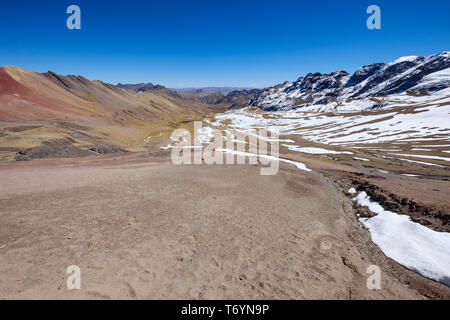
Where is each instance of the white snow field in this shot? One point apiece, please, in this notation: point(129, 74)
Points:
point(424, 121)
point(410, 244)
point(425, 124)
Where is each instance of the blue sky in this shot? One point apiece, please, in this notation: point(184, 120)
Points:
point(216, 43)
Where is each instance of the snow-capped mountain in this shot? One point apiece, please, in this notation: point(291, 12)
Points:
point(370, 87)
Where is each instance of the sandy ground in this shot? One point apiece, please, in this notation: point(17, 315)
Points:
point(140, 227)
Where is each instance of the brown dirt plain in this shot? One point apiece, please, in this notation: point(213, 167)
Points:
point(140, 227)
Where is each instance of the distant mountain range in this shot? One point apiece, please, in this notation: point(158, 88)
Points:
point(36, 108)
point(139, 86)
point(48, 95)
point(211, 89)
point(231, 97)
point(371, 86)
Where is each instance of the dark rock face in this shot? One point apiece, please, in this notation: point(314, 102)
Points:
point(230, 97)
point(238, 98)
point(411, 79)
point(385, 73)
point(57, 149)
point(106, 149)
point(48, 152)
point(363, 73)
point(374, 80)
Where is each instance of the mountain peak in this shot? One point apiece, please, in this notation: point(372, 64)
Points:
point(406, 58)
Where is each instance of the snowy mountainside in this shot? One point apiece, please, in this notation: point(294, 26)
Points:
point(370, 87)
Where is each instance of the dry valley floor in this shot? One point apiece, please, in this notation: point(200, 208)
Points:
point(140, 227)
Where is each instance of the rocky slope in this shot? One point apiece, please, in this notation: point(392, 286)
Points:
point(36, 108)
point(238, 98)
point(370, 87)
point(229, 97)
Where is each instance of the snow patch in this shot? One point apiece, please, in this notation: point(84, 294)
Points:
point(299, 165)
point(312, 150)
point(405, 59)
point(410, 244)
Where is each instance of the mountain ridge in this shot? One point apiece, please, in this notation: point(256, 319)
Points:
point(87, 113)
point(338, 89)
